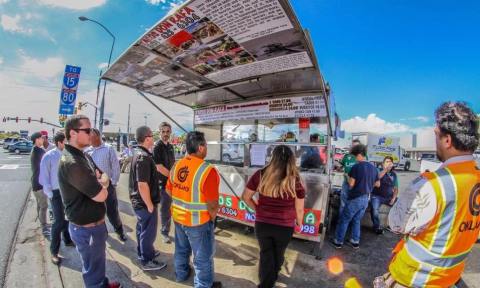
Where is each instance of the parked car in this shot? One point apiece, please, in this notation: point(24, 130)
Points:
point(21, 147)
point(9, 141)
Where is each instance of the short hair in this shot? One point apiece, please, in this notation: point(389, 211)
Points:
point(142, 133)
point(359, 149)
point(96, 132)
point(58, 137)
point(164, 124)
point(194, 140)
point(458, 120)
point(72, 123)
point(388, 157)
point(356, 141)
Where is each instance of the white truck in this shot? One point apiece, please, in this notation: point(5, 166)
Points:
point(379, 146)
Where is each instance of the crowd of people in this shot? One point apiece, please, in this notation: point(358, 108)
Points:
point(79, 177)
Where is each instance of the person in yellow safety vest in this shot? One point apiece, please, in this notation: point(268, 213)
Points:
point(439, 213)
point(193, 185)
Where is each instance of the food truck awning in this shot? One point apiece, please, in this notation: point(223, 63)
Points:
point(211, 52)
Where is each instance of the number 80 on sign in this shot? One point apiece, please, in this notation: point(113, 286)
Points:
point(68, 97)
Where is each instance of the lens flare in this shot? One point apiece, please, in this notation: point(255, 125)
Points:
point(352, 283)
point(335, 265)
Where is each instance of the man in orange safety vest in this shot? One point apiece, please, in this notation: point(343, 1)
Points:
point(439, 213)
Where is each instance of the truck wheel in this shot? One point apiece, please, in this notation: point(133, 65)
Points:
point(407, 166)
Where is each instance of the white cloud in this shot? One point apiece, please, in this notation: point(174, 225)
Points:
point(423, 119)
point(44, 69)
point(1, 60)
point(14, 24)
point(372, 124)
point(3, 1)
point(156, 2)
point(74, 4)
point(103, 65)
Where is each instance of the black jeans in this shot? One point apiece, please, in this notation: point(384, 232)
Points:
point(165, 213)
point(112, 210)
point(273, 241)
point(60, 225)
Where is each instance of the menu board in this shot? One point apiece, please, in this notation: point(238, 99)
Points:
point(217, 40)
point(277, 108)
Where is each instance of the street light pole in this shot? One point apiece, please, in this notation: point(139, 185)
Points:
point(102, 105)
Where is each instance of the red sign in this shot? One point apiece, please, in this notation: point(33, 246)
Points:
point(303, 123)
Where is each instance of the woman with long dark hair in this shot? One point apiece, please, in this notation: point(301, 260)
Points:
point(279, 208)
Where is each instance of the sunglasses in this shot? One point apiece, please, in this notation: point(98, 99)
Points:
point(86, 130)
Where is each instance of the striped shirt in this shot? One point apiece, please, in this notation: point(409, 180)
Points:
point(105, 157)
point(49, 171)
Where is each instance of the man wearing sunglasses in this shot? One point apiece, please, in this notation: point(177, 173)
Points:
point(84, 191)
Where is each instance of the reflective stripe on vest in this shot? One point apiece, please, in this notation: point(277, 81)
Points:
point(196, 190)
point(421, 254)
point(190, 206)
point(430, 260)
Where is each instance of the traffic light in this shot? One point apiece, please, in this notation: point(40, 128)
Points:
point(16, 119)
point(29, 119)
point(41, 119)
point(4, 119)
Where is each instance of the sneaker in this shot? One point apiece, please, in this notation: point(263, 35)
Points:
point(379, 231)
point(153, 265)
point(217, 284)
point(166, 239)
point(155, 255)
point(354, 245)
point(335, 244)
point(114, 285)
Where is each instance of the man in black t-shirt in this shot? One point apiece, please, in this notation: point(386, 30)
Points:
point(84, 190)
point(145, 196)
point(35, 159)
point(164, 157)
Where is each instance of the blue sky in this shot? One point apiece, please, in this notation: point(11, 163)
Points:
point(397, 60)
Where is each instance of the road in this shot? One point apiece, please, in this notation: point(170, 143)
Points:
point(14, 188)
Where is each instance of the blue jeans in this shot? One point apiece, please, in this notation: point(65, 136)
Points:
point(353, 212)
point(343, 196)
point(376, 202)
point(147, 224)
point(201, 241)
point(90, 242)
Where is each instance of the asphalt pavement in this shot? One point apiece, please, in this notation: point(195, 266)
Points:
point(14, 188)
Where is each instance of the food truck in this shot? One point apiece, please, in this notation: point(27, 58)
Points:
point(249, 72)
